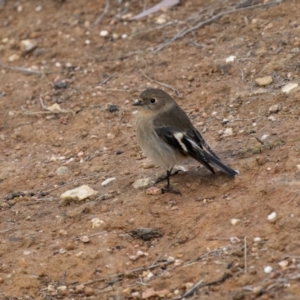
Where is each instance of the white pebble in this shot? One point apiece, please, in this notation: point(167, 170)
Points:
point(230, 59)
point(149, 275)
point(272, 118)
point(162, 19)
point(234, 240)
point(214, 113)
point(38, 8)
point(115, 36)
point(290, 86)
point(264, 137)
point(272, 216)
point(19, 8)
point(268, 169)
point(110, 136)
point(87, 42)
point(108, 181)
point(96, 223)
point(58, 64)
point(124, 36)
point(228, 131)
point(27, 45)
point(234, 221)
point(257, 239)
point(103, 33)
point(141, 183)
point(283, 264)
point(61, 288)
point(268, 269)
point(14, 57)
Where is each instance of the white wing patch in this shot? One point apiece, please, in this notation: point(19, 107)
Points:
point(178, 136)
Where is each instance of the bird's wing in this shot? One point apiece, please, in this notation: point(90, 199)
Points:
point(181, 143)
point(195, 135)
point(187, 145)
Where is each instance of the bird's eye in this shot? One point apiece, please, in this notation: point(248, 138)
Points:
point(152, 100)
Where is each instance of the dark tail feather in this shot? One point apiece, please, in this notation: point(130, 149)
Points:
point(218, 164)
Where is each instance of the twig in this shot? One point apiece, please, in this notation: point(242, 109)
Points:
point(21, 69)
point(6, 230)
point(99, 19)
point(160, 255)
point(184, 32)
point(128, 272)
point(245, 254)
point(199, 285)
point(192, 290)
point(107, 79)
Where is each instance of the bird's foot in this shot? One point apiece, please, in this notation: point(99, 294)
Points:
point(169, 189)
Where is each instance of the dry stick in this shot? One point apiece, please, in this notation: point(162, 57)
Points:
point(107, 79)
point(20, 69)
point(128, 272)
point(183, 32)
point(99, 19)
point(245, 254)
point(6, 230)
point(162, 254)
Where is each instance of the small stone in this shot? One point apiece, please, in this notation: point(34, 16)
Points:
point(289, 87)
point(70, 246)
point(78, 194)
point(108, 181)
point(112, 108)
point(110, 136)
point(79, 288)
point(96, 223)
point(230, 59)
point(228, 132)
point(268, 269)
point(264, 137)
point(162, 293)
point(124, 36)
point(38, 8)
point(61, 288)
point(162, 19)
point(234, 221)
point(153, 190)
point(141, 183)
point(275, 108)
point(103, 33)
point(60, 84)
point(85, 239)
point(148, 293)
point(136, 295)
point(58, 64)
point(257, 239)
point(272, 217)
point(87, 42)
point(262, 81)
point(51, 288)
point(147, 165)
point(28, 45)
point(62, 171)
point(295, 50)
point(283, 264)
point(88, 291)
point(14, 57)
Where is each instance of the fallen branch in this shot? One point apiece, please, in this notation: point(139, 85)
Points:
point(99, 19)
point(184, 31)
point(21, 69)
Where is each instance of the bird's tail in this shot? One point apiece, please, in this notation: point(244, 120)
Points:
point(218, 164)
point(205, 158)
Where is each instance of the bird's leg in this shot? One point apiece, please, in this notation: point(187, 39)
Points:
point(168, 188)
point(164, 177)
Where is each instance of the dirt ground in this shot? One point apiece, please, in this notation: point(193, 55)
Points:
point(223, 238)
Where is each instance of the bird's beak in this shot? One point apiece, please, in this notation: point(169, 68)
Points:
point(138, 103)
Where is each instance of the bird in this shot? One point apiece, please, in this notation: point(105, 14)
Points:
point(167, 136)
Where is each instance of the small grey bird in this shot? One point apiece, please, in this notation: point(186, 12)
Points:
point(166, 135)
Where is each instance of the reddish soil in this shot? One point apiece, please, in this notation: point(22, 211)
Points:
point(49, 250)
